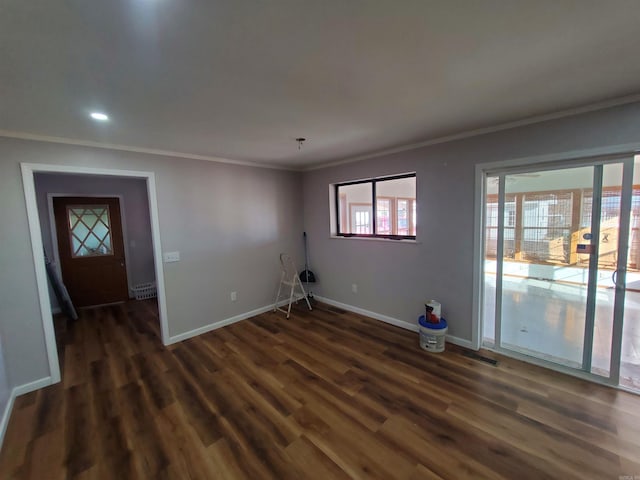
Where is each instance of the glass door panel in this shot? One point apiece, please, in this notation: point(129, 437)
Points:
point(490, 253)
point(562, 267)
point(630, 349)
point(544, 280)
point(609, 229)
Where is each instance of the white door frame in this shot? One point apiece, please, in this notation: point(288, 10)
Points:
point(542, 161)
point(28, 181)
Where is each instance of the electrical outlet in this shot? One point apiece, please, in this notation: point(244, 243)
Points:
point(234, 296)
point(169, 257)
point(354, 287)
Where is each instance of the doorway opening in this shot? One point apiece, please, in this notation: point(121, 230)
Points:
point(91, 240)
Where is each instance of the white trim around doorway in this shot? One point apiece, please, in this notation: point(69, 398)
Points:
point(28, 170)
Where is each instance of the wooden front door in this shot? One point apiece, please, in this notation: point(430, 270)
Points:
point(91, 249)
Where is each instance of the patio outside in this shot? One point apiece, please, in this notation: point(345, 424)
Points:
point(547, 318)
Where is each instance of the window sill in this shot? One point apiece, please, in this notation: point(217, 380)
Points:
point(377, 239)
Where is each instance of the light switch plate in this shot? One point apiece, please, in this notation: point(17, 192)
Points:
point(171, 257)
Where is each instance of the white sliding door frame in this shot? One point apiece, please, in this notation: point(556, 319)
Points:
point(500, 169)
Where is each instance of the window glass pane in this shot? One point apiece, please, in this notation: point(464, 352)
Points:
point(630, 355)
point(356, 212)
point(77, 248)
point(546, 224)
point(399, 187)
point(80, 231)
point(90, 230)
point(414, 216)
point(101, 231)
point(384, 217)
point(402, 227)
point(509, 225)
point(361, 219)
point(393, 210)
point(400, 194)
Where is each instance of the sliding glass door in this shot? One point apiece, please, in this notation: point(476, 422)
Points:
point(556, 260)
point(627, 279)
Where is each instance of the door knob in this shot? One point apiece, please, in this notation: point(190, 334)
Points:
point(614, 278)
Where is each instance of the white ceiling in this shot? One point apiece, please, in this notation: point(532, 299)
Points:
point(242, 79)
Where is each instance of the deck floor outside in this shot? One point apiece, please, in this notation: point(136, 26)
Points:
point(546, 319)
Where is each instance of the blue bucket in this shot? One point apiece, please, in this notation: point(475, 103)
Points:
point(433, 326)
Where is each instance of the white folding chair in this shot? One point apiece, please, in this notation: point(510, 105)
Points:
point(289, 279)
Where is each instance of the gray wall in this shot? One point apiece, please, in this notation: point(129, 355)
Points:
point(134, 205)
point(395, 279)
point(229, 222)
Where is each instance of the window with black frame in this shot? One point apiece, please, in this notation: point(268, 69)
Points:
point(378, 207)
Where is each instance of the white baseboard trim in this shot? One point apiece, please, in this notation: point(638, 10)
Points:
point(6, 415)
point(383, 318)
point(222, 323)
point(16, 392)
point(31, 386)
point(393, 321)
point(461, 342)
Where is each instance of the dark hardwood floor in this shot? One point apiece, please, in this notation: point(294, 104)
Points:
point(326, 394)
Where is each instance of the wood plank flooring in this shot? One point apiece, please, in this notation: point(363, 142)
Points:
point(326, 394)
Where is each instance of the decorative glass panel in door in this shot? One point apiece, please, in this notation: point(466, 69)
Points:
point(89, 230)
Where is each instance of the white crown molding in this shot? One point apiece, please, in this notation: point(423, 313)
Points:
point(485, 130)
point(127, 148)
point(389, 151)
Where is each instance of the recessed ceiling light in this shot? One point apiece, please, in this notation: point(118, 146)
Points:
point(99, 116)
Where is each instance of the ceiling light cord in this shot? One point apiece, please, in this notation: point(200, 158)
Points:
point(300, 141)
